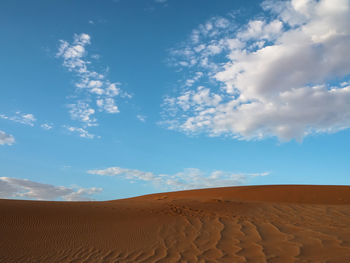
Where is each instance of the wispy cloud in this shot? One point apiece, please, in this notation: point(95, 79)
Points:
point(270, 77)
point(22, 188)
point(97, 93)
point(23, 118)
point(26, 119)
point(46, 126)
point(141, 118)
point(83, 133)
point(6, 138)
point(190, 178)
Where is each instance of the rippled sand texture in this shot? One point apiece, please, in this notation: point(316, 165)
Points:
point(237, 224)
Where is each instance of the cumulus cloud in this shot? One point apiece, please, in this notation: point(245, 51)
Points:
point(6, 138)
point(285, 74)
point(22, 188)
point(98, 93)
point(190, 178)
point(23, 118)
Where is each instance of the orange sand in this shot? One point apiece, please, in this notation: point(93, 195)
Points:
point(233, 224)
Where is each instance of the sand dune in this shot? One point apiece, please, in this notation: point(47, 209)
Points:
point(234, 224)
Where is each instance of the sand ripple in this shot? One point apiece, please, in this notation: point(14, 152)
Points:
point(196, 226)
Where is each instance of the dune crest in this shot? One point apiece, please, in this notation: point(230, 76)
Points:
point(232, 224)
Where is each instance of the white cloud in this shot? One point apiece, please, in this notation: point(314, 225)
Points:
point(194, 79)
point(46, 126)
point(26, 119)
point(22, 188)
point(282, 75)
point(112, 90)
point(190, 178)
point(107, 104)
point(83, 133)
point(90, 83)
point(260, 29)
point(141, 118)
point(83, 112)
point(160, 1)
point(6, 138)
point(23, 118)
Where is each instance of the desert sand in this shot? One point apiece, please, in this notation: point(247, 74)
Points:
point(286, 223)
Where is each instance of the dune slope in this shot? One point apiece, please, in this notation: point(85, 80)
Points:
point(233, 224)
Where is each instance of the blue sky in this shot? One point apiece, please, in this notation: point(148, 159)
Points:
point(111, 99)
